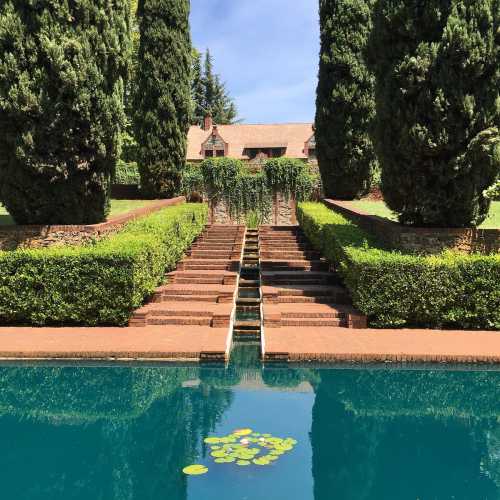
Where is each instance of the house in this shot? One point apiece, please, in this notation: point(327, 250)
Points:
point(251, 143)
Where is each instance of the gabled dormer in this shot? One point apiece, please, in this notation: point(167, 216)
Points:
point(214, 146)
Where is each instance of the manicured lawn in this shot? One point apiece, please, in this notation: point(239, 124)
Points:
point(379, 208)
point(118, 207)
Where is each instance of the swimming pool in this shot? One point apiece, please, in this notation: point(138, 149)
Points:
point(356, 433)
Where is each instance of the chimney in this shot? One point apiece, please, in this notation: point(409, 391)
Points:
point(207, 123)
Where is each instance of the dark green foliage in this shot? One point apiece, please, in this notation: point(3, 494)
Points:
point(62, 71)
point(209, 93)
point(438, 112)
point(396, 289)
point(248, 193)
point(101, 283)
point(345, 106)
point(127, 173)
point(162, 103)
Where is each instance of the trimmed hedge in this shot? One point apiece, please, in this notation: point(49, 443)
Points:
point(394, 289)
point(99, 284)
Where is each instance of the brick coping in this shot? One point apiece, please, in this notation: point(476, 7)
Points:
point(308, 346)
point(118, 220)
point(340, 345)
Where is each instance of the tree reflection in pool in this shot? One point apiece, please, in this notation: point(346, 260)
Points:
point(126, 433)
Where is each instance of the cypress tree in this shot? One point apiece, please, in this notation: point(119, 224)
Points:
point(345, 106)
point(163, 99)
point(197, 90)
point(438, 107)
point(62, 68)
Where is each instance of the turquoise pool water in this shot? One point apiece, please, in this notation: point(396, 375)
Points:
point(126, 433)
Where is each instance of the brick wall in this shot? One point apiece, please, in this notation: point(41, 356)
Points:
point(13, 237)
point(420, 240)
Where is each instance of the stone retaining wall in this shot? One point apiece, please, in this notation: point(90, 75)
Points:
point(13, 237)
point(420, 240)
point(282, 213)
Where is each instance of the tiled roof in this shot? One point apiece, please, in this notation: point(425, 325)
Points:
point(293, 135)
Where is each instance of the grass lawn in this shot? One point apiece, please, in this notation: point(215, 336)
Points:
point(118, 207)
point(379, 208)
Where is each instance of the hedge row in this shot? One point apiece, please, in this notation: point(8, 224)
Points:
point(99, 284)
point(394, 289)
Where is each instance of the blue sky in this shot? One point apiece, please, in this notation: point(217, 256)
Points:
point(267, 53)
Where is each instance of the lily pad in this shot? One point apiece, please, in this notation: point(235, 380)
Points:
point(212, 440)
point(243, 462)
point(218, 454)
point(195, 470)
point(261, 461)
point(243, 432)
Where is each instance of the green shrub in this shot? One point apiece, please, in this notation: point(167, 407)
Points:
point(437, 67)
point(345, 99)
point(395, 289)
point(62, 71)
point(162, 94)
point(127, 173)
point(99, 284)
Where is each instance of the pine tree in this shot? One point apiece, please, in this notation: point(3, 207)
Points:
point(197, 89)
point(209, 93)
point(163, 99)
point(345, 99)
point(62, 71)
point(438, 107)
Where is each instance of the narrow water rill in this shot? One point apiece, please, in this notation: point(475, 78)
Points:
point(247, 325)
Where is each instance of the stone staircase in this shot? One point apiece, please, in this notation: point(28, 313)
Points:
point(298, 288)
point(201, 291)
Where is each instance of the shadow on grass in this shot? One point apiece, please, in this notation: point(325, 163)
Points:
point(6, 220)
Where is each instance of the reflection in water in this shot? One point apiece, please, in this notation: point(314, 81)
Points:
point(127, 432)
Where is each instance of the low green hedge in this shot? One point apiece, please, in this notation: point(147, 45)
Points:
point(99, 284)
point(394, 289)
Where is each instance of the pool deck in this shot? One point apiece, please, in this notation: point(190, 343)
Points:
point(158, 343)
point(330, 345)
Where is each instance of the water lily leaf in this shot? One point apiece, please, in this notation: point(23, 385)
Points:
point(277, 452)
point(212, 440)
point(261, 461)
point(243, 462)
point(218, 454)
point(243, 432)
point(195, 470)
point(272, 457)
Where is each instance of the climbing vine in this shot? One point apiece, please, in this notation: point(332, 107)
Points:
point(244, 192)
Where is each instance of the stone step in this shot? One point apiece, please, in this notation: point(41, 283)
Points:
point(189, 298)
point(293, 265)
point(205, 267)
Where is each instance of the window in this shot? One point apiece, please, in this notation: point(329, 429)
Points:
point(209, 153)
point(220, 153)
point(312, 153)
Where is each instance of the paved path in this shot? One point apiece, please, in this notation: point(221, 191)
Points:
point(369, 345)
point(172, 343)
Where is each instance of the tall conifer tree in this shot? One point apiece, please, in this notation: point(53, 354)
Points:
point(62, 68)
point(345, 99)
point(438, 107)
point(163, 99)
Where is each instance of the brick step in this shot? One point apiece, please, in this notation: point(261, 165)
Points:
point(293, 265)
point(179, 320)
point(298, 275)
point(310, 291)
point(188, 298)
point(212, 254)
point(215, 246)
point(204, 261)
point(285, 255)
point(327, 299)
point(205, 267)
point(314, 322)
point(293, 247)
point(200, 281)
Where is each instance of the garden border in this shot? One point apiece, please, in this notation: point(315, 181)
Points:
point(38, 236)
point(417, 239)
